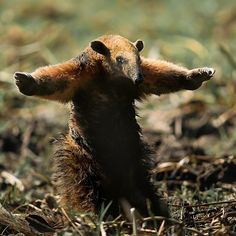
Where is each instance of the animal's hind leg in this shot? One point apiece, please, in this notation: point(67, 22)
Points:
point(76, 176)
point(145, 200)
point(151, 203)
point(157, 207)
point(148, 203)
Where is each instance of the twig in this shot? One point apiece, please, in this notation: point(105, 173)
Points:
point(214, 203)
point(16, 222)
point(73, 225)
point(223, 118)
point(204, 204)
point(29, 206)
point(147, 231)
point(134, 223)
point(26, 139)
point(161, 228)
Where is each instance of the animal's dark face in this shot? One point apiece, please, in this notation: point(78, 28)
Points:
point(119, 56)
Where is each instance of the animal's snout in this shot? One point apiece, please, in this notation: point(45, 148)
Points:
point(139, 78)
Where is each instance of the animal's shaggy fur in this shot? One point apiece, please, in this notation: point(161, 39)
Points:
point(103, 157)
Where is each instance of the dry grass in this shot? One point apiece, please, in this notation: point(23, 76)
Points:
point(193, 133)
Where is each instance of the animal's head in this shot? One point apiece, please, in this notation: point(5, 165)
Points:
point(119, 56)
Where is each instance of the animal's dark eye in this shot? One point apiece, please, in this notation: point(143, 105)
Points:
point(120, 59)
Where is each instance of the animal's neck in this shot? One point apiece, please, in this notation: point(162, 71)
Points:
point(107, 121)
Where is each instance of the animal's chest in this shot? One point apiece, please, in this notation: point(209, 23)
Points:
point(107, 121)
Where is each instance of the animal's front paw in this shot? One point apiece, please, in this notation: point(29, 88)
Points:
point(196, 76)
point(201, 74)
point(26, 83)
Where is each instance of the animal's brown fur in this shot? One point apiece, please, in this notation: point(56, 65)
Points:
point(74, 166)
point(103, 158)
point(165, 77)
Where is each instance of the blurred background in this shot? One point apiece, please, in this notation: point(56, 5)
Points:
point(187, 32)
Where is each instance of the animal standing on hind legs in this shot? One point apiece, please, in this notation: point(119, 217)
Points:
point(103, 158)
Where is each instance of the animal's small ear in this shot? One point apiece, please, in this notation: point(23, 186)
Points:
point(99, 47)
point(139, 45)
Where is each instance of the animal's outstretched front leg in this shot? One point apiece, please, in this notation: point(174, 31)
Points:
point(164, 77)
point(57, 82)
